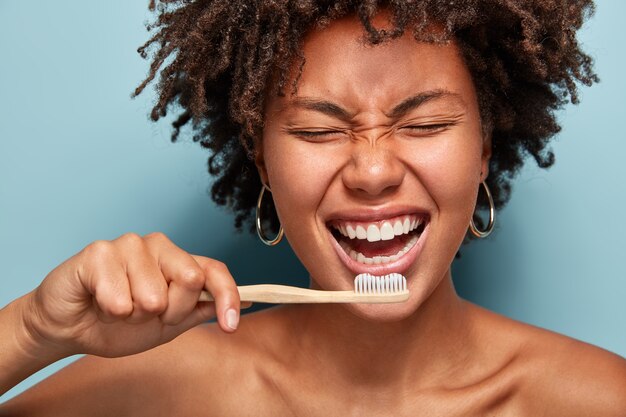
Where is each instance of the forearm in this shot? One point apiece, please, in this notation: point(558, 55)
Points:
point(21, 354)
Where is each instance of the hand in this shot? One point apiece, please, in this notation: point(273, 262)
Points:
point(120, 297)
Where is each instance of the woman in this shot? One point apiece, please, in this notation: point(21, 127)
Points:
point(350, 122)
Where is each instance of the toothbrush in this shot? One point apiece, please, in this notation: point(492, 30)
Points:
point(368, 289)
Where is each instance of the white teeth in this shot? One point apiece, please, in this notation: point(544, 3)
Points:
point(370, 284)
point(407, 225)
point(373, 233)
point(386, 231)
point(378, 260)
point(376, 231)
point(397, 228)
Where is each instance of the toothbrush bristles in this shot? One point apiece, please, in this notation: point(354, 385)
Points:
point(387, 284)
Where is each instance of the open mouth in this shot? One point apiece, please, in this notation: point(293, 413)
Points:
point(380, 242)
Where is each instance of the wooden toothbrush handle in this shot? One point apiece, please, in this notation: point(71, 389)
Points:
point(285, 294)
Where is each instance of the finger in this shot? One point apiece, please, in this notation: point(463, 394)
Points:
point(202, 312)
point(186, 280)
point(221, 284)
point(149, 292)
point(147, 284)
point(103, 276)
point(245, 304)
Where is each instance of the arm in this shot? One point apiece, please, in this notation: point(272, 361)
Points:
point(114, 299)
point(20, 354)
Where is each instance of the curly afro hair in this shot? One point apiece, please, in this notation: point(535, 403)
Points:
point(215, 61)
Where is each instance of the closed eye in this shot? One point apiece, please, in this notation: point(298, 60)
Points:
point(313, 132)
point(316, 134)
point(428, 128)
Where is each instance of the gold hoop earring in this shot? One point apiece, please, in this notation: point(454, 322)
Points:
point(492, 217)
point(259, 228)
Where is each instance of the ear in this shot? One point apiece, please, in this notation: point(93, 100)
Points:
point(486, 155)
point(259, 161)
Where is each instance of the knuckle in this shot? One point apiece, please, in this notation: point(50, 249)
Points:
point(221, 278)
point(154, 303)
point(218, 266)
point(132, 239)
point(157, 236)
point(99, 249)
point(120, 308)
point(192, 278)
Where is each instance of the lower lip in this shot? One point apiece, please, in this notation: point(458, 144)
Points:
point(400, 265)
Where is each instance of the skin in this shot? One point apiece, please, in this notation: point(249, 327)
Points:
point(435, 354)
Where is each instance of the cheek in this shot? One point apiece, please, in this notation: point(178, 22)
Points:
point(300, 174)
point(450, 173)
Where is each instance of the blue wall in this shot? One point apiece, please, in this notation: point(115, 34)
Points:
point(80, 161)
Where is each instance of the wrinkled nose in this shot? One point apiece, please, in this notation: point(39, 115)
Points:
point(373, 171)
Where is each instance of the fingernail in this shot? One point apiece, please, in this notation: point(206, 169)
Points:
point(232, 318)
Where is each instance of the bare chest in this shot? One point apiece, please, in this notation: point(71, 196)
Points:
point(268, 396)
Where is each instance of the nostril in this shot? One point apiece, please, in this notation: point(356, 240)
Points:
point(374, 177)
point(373, 186)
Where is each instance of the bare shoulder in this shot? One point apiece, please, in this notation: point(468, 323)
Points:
point(240, 370)
point(580, 378)
point(559, 375)
point(222, 373)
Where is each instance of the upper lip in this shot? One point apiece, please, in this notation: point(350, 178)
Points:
point(372, 215)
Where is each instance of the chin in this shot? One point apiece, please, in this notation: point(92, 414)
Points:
point(383, 313)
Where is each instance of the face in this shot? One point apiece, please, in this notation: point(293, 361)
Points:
point(376, 161)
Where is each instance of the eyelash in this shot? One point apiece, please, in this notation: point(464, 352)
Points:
point(429, 128)
point(325, 133)
point(316, 134)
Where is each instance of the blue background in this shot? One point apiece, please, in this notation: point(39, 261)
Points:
point(80, 161)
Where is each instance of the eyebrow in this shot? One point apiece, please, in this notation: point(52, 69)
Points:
point(413, 102)
point(419, 99)
point(323, 106)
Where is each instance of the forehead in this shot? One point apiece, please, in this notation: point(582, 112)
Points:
point(341, 65)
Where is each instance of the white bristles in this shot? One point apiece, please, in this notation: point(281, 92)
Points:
point(388, 284)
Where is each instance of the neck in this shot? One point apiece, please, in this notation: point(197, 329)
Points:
point(421, 350)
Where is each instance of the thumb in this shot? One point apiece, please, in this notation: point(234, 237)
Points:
point(202, 312)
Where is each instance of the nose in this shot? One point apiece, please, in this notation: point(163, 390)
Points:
point(373, 170)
